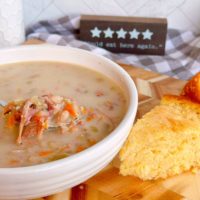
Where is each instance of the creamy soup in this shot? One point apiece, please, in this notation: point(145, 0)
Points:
point(87, 87)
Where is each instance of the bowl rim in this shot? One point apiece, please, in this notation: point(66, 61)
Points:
point(129, 115)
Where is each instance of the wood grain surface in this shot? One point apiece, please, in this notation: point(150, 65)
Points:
point(109, 185)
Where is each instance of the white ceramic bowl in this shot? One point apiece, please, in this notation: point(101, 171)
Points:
point(45, 179)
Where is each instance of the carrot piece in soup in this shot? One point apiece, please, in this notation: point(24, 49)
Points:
point(14, 162)
point(70, 108)
point(91, 117)
point(45, 153)
point(80, 148)
point(99, 93)
point(11, 121)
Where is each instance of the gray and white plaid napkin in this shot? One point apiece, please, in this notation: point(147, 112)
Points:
point(182, 58)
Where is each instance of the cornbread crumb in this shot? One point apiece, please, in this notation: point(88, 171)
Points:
point(194, 170)
point(165, 142)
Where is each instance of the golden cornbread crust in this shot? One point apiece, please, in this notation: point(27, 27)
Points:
point(192, 88)
point(165, 142)
point(183, 100)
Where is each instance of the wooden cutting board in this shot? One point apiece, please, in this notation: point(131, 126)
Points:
point(109, 185)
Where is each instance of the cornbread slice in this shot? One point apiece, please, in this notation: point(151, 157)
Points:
point(165, 142)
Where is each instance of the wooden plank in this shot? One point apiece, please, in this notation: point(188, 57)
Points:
point(109, 185)
point(33, 41)
point(65, 195)
point(153, 84)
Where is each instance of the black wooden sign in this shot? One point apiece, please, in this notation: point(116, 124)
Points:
point(125, 34)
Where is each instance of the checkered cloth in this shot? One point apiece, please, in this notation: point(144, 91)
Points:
point(182, 58)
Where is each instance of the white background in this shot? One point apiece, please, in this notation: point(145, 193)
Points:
point(181, 14)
